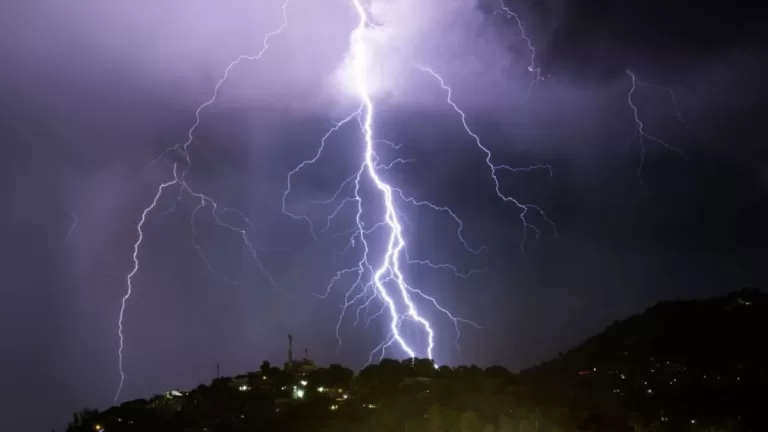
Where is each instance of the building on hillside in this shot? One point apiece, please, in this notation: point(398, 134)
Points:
point(168, 403)
point(241, 382)
point(299, 367)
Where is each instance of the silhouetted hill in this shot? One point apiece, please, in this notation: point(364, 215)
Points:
point(679, 366)
point(689, 359)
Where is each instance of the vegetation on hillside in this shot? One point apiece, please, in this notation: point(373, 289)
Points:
point(679, 366)
point(683, 361)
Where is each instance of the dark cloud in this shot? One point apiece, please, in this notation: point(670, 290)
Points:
point(669, 40)
point(93, 92)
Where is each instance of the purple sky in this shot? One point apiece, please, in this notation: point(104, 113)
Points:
point(92, 91)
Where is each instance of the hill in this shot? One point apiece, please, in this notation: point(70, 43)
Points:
point(679, 361)
point(679, 366)
point(411, 394)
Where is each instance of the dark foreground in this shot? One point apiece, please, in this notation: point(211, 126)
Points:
point(680, 366)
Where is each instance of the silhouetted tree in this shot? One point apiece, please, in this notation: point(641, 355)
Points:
point(264, 368)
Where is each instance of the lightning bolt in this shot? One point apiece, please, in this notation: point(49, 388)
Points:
point(129, 278)
point(310, 162)
point(382, 277)
point(532, 65)
point(524, 208)
point(179, 180)
point(72, 227)
point(672, 99)
point(380, 273)
point(385, 280)
point(640, 133)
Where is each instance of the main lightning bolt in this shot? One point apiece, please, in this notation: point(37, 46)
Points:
point(376, 277)
point(179, 181)
point(389, 270)
point(384, 280)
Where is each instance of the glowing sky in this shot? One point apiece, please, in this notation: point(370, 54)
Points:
point(91, 92)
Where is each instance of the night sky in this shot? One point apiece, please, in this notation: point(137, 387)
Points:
point(91, 92)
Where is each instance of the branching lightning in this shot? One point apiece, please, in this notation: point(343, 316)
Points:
point(672, 98)
point(532, 67)
point(383, 278)
point(524, 208)
point(379, 275)
point(310, 162)
point(179, 181)
point(640, 133)
point(379, 278)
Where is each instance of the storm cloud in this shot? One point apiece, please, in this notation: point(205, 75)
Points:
point(92, 91)
point(187, 44)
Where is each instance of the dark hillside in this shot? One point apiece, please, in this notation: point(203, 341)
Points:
point(680, 360)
